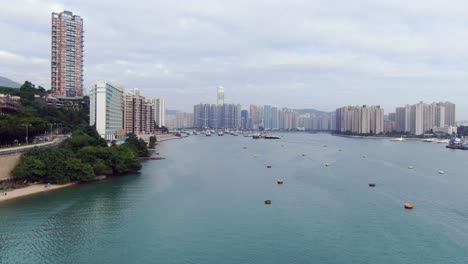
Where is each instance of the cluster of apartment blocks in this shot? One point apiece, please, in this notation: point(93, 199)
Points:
point(415, 119)
point(360, 119)
point(231, 116)
point(423, 118)
point(115, 114)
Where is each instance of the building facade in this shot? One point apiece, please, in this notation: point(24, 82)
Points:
point(67, 55)
point(360, 119)
point(159, 106)
point(138, 114)
point(220, 95)
point(106, 110)
point(423, 118)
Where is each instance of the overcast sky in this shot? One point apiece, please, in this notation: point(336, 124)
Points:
point(298, 54)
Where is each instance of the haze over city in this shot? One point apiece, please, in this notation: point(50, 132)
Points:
point(298, 54)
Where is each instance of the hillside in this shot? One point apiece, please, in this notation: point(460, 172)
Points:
point(311, 111)
point(5, 82)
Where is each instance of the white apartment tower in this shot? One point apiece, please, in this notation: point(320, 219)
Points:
point(159, 106)
point(220, 95)
point(106, 109)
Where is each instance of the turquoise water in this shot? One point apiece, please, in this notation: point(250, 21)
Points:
point(204, 204)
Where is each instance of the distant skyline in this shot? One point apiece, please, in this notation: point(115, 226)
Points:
point(297, 54)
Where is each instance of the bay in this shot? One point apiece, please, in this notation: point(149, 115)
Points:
point(205, 204)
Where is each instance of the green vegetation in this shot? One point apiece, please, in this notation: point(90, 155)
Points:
point(81, 158)
point(9, 90)
point(39, 119)
point(152, 142)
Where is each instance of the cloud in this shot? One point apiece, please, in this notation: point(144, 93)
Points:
point(296, 53)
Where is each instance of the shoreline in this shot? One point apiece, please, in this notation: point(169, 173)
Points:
point(166, 137)
point(374, 137)
point(12, 194)
point(31, 190)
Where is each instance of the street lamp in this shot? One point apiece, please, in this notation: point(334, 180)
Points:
point(27, 139)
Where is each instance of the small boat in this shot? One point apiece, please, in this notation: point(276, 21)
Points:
point(244, 147)
point(267, 201)
point(279, 181)
point(410, 167)
point(428, 140)
point(271, 137)
point(441, 172)
point(220, 133)
point(327, 164)
point(256, 136)
point(408, 206)
point(372, 184)
point(269, 166)
point(208, 133)
point(397, 139)
point(303, 155)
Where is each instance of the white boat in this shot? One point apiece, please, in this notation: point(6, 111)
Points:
point(428, 140)
point(397, 139)
point(441, 172)
point(208, 133)
point(220, 133)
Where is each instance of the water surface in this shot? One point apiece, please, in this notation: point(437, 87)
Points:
point(204, 204)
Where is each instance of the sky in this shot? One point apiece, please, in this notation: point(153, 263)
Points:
point(297, 54)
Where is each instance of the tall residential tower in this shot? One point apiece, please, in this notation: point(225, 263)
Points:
point(220, 97)
point(67, 55)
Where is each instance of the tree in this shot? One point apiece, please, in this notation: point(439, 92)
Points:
point(152, 142)
point(139, 145)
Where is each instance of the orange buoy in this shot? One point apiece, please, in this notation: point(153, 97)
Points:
point(408, 206)
point(269, 166)
point(267, 201)
point(372, 184)
point(279, 181)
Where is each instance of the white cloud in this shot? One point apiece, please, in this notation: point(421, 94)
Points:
point(298, 52)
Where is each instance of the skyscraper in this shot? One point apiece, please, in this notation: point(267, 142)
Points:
point(220, 97)
point(67, 55)
point(159, 106)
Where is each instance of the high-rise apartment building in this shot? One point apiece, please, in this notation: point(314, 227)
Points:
point(360, 119)
point(423, 118)
point(226, 116)
point(450, 119)
point(220, 95)
point(67, 55)
point(106, 110)
point(244, 119)
point(138, 114)
point(159, 106)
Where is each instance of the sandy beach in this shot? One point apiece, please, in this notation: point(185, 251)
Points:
point(29, 190)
